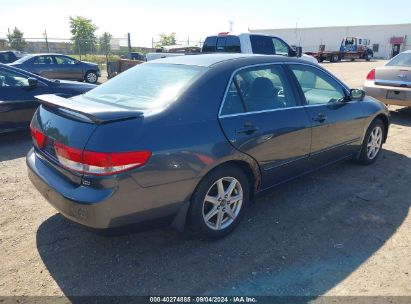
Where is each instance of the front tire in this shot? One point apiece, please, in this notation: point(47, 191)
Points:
point(219, 202)
point(91, 77)
point(372, 143)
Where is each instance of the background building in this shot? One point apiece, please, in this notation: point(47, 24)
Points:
point(385, 40)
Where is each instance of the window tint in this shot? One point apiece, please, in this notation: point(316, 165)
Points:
point(43, 60)
point(11, 79)
point(210, 44)
point(318, 87)
point(64, 60)
point(280, 47)
point(229, 44)
point(233, 44)
point(221, 44)
point(262, 45)
point(4, 57)
point(258, 89)
point(146, 86)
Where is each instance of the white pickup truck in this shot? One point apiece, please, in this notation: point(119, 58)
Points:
point(252, 43)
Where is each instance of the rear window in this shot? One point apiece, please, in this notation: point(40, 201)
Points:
point(146, 86)
point(222, 44)
point(403, 59)
point(210, 44)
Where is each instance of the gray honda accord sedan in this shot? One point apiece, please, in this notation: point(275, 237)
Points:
point(193, 139)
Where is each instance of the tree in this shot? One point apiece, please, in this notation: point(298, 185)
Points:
point(104, 43)
point(16, 40)
point(83, 31)
point(167, 39)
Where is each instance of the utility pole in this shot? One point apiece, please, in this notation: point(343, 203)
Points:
point(129, 42)
point(47, 42)
point(230, 25)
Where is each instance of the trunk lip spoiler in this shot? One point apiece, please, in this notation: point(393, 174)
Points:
point(95, 112)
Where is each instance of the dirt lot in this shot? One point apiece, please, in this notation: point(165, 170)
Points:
point(345, 230)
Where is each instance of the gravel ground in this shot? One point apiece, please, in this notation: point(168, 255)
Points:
point(345, 230)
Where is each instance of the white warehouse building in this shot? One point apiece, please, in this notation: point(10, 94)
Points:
point(385, 40)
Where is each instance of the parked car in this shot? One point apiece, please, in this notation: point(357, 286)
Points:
point(17, 91)
point(134, 56)
point(10, 56)
point(391, 83)
point(195, 138)
point(57, 66)
point(252, 43)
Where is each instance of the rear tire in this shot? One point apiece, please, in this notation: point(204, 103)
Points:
point(334, 58)
point(368, 57)
point(372, 143)
point(219, 202)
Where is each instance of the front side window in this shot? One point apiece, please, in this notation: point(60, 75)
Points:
point(146, 86)
point(11, 79)
point(43, 60)
point(318, 87)
point(257, 89)
point(280, 47)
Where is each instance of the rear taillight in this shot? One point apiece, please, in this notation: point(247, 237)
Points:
point(99, 163)
point(90, 162)
point(39, 138)
point(371, 75)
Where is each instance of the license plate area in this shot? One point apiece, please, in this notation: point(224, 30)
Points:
point(397, 95)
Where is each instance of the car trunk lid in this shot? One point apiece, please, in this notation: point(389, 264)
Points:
point(393, 76)
point(62, 127)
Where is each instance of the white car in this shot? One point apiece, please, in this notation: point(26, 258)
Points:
point(252, 43)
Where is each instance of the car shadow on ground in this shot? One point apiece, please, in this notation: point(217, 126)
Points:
point(14, 145)
point(401, 116)
point(300, 239)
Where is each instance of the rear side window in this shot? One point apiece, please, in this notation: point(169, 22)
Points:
point(43, 60)
point(257, 89)
point(146, 86)
point(262, 45)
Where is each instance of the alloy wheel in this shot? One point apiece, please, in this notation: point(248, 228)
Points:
point(374, 142)
point(222, 203)
point(91, 77)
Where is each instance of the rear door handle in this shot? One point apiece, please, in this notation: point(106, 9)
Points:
point(248, 129)
point(320, 117)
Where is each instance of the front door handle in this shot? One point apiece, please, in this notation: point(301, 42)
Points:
point(248, 129)
point(320, 117)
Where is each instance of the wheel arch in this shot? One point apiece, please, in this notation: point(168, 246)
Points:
point(385, 120)
point(250, 169)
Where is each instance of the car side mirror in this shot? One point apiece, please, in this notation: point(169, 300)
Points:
point(32, 82)
point(298, 51)
point(357, 94)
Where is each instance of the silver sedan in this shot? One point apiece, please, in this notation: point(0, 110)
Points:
point(391, 83)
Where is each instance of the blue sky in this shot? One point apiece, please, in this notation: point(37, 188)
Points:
point(194, 19)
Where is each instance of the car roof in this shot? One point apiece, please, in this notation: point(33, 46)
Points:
point(208, 60)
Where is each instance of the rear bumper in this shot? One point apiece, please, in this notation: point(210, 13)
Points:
point(123, 205)
point(381, 93)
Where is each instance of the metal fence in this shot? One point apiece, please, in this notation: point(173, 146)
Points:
point(80, 48)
